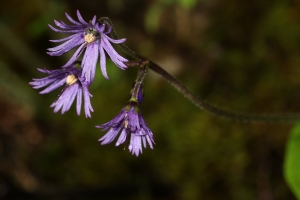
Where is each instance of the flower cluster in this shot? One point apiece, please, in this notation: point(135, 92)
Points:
point(130, 123)
point(92, 38)
point(76, 76)
point(75, 86)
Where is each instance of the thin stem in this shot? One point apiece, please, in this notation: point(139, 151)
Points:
point(134, 63)
point(139, 80)
point(220, 112)
point(198, 101)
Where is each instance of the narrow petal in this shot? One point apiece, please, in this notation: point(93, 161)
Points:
point(114, 41)
point(53, 86)
point(103, 62)
point(58, 104)
point(73, 89)
point(87, 103)
point(72, 20)
point(42, 82)
point(114, 122)
point(108, 30)
point(79, 101)
point(66, 38)
point(144, 141)
point(135, 146)
point(133, 120)
point(150, 140)
point(81, 19)
point(94, 20)
point(64, 31)
point(122, 137)
point(115, 57)
point(89, 61)
point(100, 28)
point(68, 45)
point(110, 135)
point(75, 55)
point(37, 84)
point(111, 51)
point(63, 25)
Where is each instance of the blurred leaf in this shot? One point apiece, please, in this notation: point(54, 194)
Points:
point(38, 26)
point(14, 85)
point(152, 17)
point(187, 3)
point(292, 161)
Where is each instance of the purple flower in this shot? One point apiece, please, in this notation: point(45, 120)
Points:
point(75, 86)
point(131, 124)
point(93, 38)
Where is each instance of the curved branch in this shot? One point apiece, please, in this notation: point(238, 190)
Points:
point(220, 112)
point(198, 101)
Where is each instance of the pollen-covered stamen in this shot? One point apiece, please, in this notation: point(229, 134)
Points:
point(90, 35)
point(71, 79)
point(126, 123)
point(89, 38)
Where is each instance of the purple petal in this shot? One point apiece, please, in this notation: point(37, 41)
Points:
point(64, 31)
point(94, 20)
point(79, 101)
point(144, 141)
point(87, 103)
point(114, 41)
point(150, 140)
point(133, 120)
point(81, 19)
point(110, 135)
point(108, 30)
point(115, 57)
point(75, 55)
point(122, 137)
point(100, 28)
point(135, 146)
point(72, 20)
point(89, 61)
point(53, 86)
point(66, 38)
point(103, 62)
point(67, 46)
point(115, 121)
point(70, 97)
point(62, 25)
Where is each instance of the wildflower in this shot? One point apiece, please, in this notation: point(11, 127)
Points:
point(131, 124)
point(75, 86)
point(92, 37)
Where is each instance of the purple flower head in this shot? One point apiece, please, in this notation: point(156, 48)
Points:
point(131, 124)
point(92, 37)
point(75, 86)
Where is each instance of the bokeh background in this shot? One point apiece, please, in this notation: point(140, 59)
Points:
point(240, 55)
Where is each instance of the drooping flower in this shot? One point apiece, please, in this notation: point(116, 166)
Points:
point(92, 37)
point(131, 126)
point(76, 86)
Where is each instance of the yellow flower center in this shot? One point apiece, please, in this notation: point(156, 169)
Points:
point(89, 38)
point(71, 79)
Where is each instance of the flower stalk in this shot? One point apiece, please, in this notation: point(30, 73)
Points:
point(200, 102)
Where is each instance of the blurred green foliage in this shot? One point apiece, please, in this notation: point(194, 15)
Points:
point(242, 56)
point(292, 161)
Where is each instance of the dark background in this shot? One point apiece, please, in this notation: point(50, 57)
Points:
point(240, 55)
